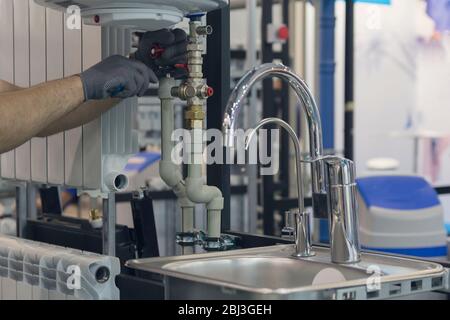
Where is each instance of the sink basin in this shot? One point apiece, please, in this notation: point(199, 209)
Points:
point(271, 273)
point(242, 271)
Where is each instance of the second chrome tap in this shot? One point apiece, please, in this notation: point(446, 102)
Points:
point(300, 218)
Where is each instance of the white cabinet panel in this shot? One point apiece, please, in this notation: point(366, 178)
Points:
point(38, 74)
point(73, 148)
point(7, 70)
point(22, 78)
point(55, 70)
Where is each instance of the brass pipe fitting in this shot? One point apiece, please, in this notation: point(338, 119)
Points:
point(184, 91)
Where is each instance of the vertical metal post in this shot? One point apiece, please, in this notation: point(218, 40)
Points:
point(31, 201)
point(326, 20)
point(109, 225)
point(250, 222)
point(349, 79)
point(285, 112)
point(217, 71)
point(268, 111)
point(327, 69)
point(21, 209)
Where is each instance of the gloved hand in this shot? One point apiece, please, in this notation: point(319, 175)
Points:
point(116, 77)
point(173, 42)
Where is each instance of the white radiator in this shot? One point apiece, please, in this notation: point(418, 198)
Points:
point(35, 46)
point(36, 271)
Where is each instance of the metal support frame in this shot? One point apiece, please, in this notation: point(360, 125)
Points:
point(285, 112)
point(109, 225)
point(21, 209)
point(144, 225)
point(251, 57)
point(349, 79)
point(31, 201)
point(275, 104)
point(268, 112)
point(217, 71)
point(327, 64)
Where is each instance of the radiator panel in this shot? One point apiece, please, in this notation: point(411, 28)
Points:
point(35, 47)
point(35, 271)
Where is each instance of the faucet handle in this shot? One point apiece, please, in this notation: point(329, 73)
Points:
point(343, 210)
point(340, 171)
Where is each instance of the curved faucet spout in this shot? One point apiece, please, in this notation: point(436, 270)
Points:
point(296, 142)
point(309, 107)
point(237, 100)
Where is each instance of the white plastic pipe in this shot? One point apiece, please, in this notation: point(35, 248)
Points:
point(198, 192)
point(168, 170)
point(114, 177)
point(196, 189)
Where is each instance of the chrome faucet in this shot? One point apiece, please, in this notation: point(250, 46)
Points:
point(237, 100)
point(343, 210)
point(333, 185)
point(301, 225)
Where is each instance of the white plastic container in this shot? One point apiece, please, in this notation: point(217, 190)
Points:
point(401, 215)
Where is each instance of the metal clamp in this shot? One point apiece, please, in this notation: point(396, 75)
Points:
point(186, 239)
point(218, 244)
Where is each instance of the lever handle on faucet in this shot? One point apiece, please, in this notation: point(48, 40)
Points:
point(343, 210)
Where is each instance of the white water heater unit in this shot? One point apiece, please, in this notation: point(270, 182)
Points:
point(136, 14)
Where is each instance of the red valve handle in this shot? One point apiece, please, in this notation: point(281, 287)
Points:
point(156, 51)
point(209, 92)
point(181, 66)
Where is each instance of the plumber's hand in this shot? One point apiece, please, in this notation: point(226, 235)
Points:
point(117, 77)
point(172, 47)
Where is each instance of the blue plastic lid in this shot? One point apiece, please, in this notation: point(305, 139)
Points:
point(397, 192)
point(142, 161)
point(195, 15)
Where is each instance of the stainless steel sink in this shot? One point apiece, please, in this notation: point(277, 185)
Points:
point(271, 273)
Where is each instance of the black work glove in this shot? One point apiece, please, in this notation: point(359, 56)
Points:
point(116, 77)
point(174, 46)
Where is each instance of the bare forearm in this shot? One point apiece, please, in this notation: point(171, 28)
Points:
point(84, 114)
point(8, 87)
point(26, 114)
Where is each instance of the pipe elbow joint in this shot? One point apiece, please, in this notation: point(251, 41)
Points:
point(197, 192)
point(170, 173)
point(184, 201)
point(216, 204)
